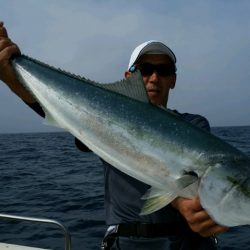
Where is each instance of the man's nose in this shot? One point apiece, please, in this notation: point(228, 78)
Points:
point(154, 76)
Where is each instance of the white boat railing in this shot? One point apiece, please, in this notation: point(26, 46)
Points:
point(67, 238)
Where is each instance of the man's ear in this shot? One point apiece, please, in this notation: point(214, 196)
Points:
point(173, 81)
point(127, 74)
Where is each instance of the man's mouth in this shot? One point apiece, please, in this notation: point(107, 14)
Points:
point(153, 90)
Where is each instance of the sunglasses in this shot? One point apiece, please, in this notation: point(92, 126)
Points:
point(147, 69)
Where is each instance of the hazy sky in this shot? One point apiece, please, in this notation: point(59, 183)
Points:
point(211, 40)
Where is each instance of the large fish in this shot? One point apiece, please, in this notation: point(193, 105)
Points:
point(153, 145)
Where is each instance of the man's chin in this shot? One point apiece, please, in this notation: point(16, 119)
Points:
point(154, 98)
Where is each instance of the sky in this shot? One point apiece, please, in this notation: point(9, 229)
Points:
point(210, 38)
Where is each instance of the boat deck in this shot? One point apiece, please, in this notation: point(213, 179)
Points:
point(5, 246)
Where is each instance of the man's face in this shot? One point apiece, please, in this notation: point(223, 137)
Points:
point(157, 86)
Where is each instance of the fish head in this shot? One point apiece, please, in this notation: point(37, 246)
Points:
point(224, 192)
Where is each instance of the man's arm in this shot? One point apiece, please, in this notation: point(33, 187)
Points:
point(9, 49)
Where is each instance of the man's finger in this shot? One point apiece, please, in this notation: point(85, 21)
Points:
point(3, 31)
point(8, 52)
point(5, 42)
point(213, 231)
point(201, 215)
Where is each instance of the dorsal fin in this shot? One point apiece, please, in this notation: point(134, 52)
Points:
point(132, 87)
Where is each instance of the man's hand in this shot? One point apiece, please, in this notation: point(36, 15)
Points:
point(7, 50)
point(197, 218)
point(7, 74)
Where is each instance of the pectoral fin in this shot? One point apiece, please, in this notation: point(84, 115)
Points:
point(156, 203)
point(190, 191)
point(186, 186)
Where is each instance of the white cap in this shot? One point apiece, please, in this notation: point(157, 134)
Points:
point(151, 47)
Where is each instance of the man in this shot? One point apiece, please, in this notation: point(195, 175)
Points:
point(180, 225)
